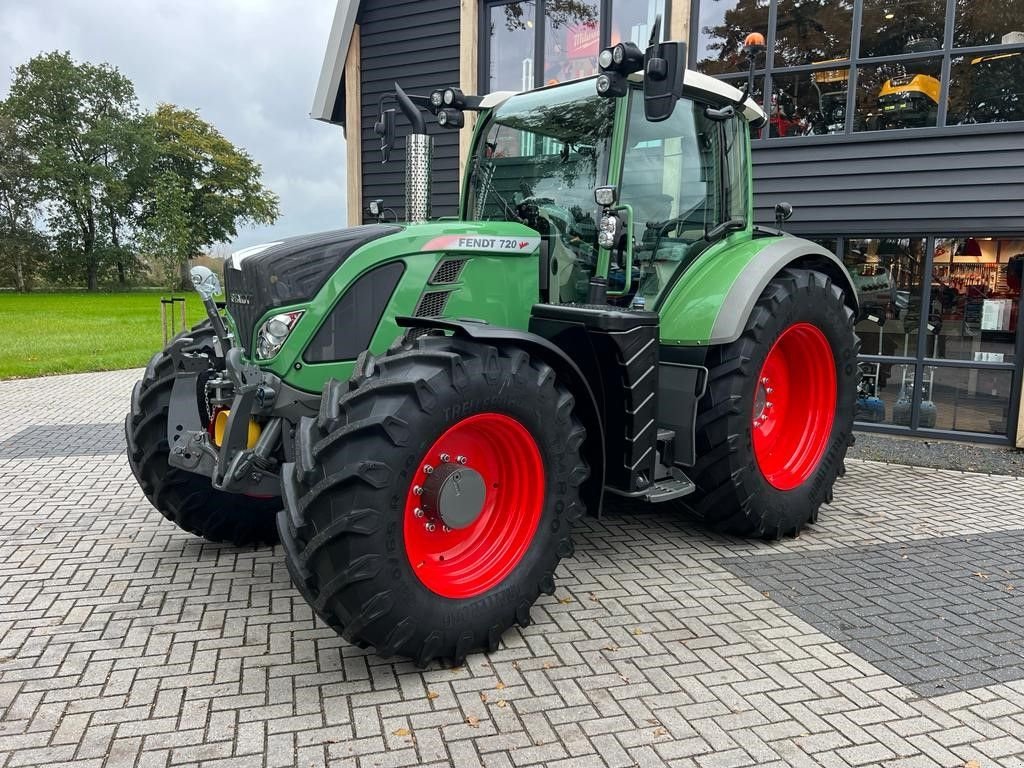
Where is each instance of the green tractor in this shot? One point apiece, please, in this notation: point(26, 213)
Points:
point(422, 410)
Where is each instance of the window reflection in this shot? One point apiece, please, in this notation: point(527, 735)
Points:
point(888, 275)
point(987, 89)
point(900, 95)
point(511, 46)
point(988, 23)
point(632, 20)
point(809, 103)
point(892, 27)
point(812, 31)
point(572, 39)
point(966, 399)
point(976, 287)
point(722, 27)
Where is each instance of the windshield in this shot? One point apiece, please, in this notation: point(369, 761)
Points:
point(538, 162)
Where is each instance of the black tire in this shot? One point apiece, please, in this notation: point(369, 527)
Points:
point(345, 495)
point(186, 499)
point(733, 494)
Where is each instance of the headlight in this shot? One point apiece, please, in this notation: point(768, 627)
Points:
point(273, 334)
point(608, 235)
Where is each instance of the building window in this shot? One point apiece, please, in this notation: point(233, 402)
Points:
point(510, 46)
point(531, 44)
point(938, 327)
point(906, 69)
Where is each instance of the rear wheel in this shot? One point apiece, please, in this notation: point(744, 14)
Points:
point(432, 498)
point(777, 419)
point(186, 499)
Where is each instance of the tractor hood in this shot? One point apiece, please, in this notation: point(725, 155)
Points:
point(288, 271)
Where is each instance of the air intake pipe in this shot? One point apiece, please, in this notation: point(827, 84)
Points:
point(419, 152)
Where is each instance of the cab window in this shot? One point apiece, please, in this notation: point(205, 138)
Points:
point(682, 177)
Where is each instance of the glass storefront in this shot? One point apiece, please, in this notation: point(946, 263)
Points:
point(908, 65)
point(531, 44)
point(938, 327)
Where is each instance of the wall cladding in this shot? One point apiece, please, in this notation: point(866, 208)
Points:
point(417, 43)
point(913, 183)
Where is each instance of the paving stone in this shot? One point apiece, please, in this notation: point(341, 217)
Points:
point(125, 641)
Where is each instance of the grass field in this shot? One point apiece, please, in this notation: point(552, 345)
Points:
point(49, 333)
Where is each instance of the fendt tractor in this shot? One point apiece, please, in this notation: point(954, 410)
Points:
point(422, 410)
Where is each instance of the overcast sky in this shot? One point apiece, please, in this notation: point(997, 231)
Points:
point(249, 66)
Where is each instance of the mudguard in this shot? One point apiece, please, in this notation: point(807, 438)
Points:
point(592, 490)
point(710, 303)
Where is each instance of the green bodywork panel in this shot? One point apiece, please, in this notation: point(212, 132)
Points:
point(498, 288)
point(689, 309)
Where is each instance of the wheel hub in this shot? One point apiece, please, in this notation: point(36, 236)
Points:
point(455, 494)
point(762, 404)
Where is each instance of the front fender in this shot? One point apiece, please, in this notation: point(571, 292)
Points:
point(710, 303)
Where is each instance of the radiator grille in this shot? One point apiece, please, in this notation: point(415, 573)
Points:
point(447, 271)
point(432, 304)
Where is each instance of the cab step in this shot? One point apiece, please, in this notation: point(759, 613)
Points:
point(669, 488)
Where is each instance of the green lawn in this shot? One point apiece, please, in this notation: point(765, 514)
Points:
point(48, 333)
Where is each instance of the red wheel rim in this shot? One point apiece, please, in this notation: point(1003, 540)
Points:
point(466, 562)
point(794, 406)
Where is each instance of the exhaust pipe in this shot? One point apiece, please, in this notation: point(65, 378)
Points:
point(419, 151)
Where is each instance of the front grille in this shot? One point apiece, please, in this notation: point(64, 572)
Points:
point(432, 304)
point(447, 271)
point(242, 304)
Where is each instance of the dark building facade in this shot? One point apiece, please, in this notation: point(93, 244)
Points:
point(896, 131)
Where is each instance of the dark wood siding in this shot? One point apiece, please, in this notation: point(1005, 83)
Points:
point(415, 42)
point(934, 182)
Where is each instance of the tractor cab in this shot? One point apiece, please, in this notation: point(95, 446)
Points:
point(676, 185)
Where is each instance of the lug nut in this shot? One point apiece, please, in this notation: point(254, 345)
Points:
point(418, 490)
point(446, 529)
point(768, 390)
point(445, 458)
point(418, 512)
point(430, 527)
point(427, 469)
point(764, 380)
point(461, 459)
point(768, 405)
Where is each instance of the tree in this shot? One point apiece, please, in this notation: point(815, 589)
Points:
point(20, 243)
point(75, 122)
point(202, 188)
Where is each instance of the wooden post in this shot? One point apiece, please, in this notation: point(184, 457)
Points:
point(469, 47)
point(354, 129)
point(680, 21)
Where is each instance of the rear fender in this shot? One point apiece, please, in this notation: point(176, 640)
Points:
point(710, 303)
point(592, 490)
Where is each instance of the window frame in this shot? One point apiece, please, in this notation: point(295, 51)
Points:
point(946, 52)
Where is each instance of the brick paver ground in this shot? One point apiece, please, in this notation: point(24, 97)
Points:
point(124, 641)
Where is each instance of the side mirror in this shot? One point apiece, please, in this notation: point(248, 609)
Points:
point(783, 212)
point(664, 69)
point(385, 128)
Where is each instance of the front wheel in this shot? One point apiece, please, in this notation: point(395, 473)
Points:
point(432, 498)
point(777, 418)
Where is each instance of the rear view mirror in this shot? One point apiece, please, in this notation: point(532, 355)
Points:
point(664, 68)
